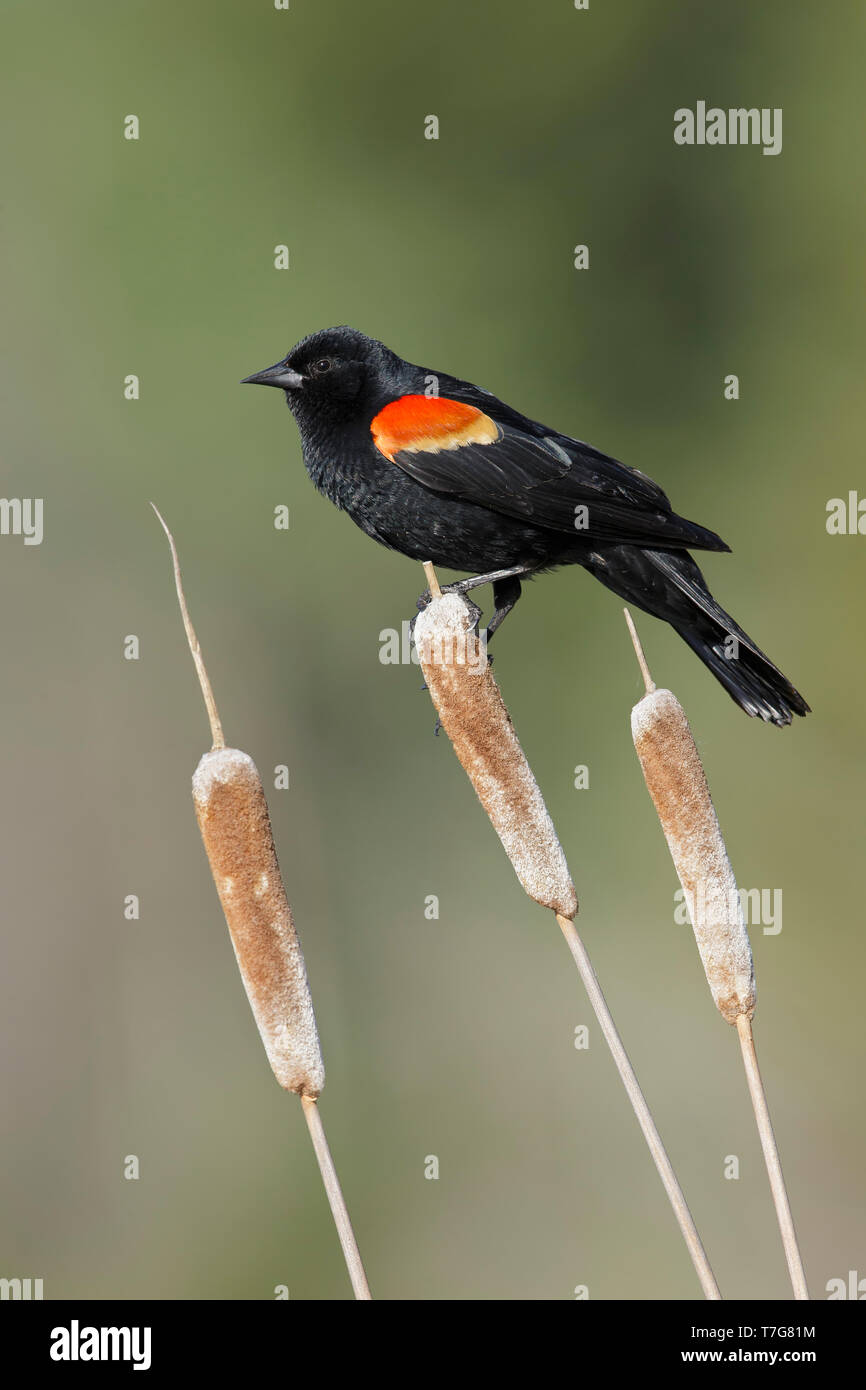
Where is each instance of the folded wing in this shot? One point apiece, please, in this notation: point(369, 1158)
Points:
point(551, 481)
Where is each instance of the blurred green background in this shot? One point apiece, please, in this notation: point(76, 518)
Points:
point(451, 1037)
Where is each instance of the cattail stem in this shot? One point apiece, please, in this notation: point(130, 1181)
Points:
point(232, 812)
point(648, 681)
point(677, 783)
point(432, 579)
point(641, 1109)
point(771, 1159)
point(339, 1211)
point(216, 727)
point(474, 716)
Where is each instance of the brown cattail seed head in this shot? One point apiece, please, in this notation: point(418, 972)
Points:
point(676, 782)
point(233, 818)
point(474, 716)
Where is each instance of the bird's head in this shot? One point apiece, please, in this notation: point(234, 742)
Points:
point(337, 374)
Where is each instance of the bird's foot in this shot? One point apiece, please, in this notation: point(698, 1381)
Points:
point(423, 602)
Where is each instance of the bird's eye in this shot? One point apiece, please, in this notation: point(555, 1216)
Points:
point(323, 365)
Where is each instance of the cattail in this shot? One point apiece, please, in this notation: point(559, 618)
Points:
point(676, 782)
point(232, 814)
point(473, 714)
point(235, 826)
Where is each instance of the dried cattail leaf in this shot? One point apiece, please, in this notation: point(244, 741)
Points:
point(233, 818)
point(675, 778)
point(473, 715)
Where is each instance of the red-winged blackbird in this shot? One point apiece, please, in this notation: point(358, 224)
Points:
point(441, 470)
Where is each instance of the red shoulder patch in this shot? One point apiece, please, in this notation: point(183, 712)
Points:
point(428, 424)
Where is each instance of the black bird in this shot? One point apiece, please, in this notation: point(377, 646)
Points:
point(441, 470)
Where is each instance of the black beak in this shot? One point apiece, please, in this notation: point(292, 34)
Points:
point(277, 375)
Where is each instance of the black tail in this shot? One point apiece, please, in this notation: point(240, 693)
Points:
point(669, 585)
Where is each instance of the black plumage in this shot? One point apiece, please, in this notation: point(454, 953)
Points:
point(438, 469)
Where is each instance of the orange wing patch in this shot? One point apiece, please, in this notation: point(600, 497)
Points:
point(428, 424)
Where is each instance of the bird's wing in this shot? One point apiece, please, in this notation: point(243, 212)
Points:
point(549, 481)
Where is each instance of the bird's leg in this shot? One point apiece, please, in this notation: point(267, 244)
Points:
point(463, 586)
point(506, 592)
